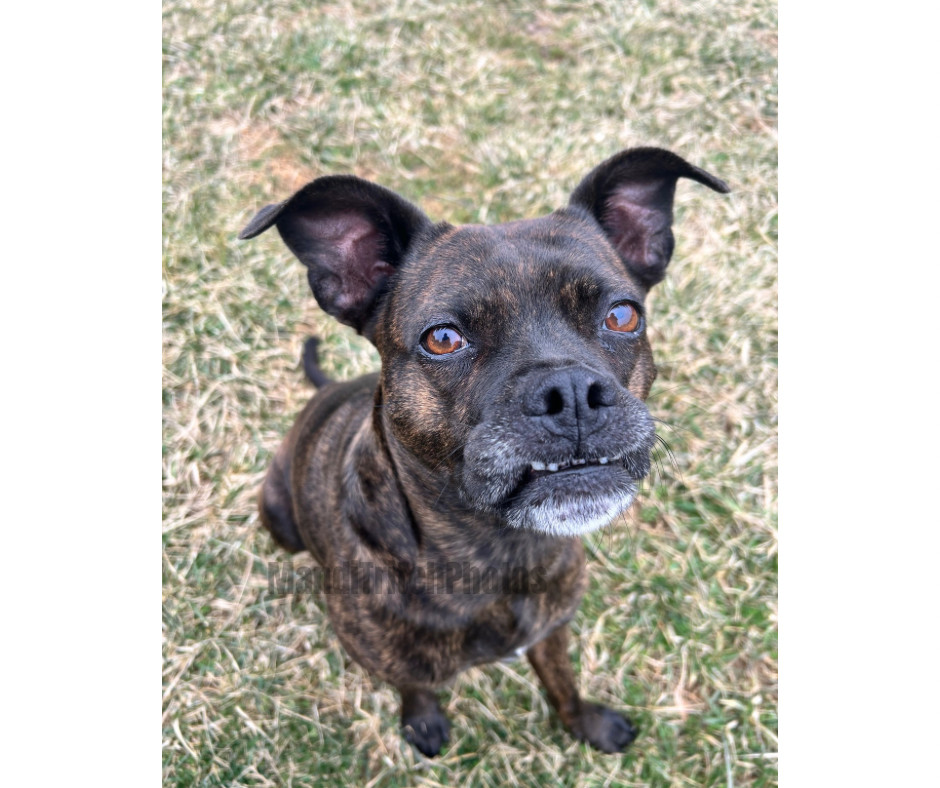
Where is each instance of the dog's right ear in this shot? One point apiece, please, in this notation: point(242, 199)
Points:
point(351, 235)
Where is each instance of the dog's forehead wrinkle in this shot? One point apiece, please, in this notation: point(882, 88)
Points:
point(524, 271)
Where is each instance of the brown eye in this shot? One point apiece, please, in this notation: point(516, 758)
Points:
point(443, 340)
point(623, 317)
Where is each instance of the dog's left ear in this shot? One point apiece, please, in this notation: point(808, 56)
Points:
point(631, 197)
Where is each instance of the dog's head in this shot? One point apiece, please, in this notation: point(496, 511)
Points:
point(515, 360)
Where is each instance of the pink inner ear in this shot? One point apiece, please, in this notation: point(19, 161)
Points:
point(636, 216)
point(381, 269)
point(353, 251)
point(629, 227)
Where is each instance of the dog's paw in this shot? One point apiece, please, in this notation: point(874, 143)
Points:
point(428, 732)
point(603, 728)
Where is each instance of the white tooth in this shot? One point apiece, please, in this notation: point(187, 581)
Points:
point(553, 466)
point(538, 466)
point(578, 462)
point(603, 461)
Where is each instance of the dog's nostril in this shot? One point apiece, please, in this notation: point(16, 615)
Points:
point(595, 396)
point(554, 402)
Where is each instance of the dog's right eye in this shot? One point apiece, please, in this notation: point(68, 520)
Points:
point(442, 340)
point(623, 318)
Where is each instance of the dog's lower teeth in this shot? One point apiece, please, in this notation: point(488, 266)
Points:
point(554, 467)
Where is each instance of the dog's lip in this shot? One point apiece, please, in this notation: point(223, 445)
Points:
point(574, 498)
point(537, 469)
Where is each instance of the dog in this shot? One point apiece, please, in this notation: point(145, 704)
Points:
point(508, 418)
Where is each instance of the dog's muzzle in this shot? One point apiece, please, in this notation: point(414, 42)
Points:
point(563, 456)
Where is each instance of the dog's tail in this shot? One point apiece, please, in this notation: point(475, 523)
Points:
point(312, 364)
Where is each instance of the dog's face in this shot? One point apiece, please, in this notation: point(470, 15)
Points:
point(515, 360)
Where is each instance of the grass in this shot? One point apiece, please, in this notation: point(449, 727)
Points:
point(478, 112)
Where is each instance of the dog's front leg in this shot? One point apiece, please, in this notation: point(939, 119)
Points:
point(599, 726)
point(424, 723)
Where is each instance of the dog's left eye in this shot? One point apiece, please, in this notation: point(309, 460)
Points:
point(443, 340)
point(623, 317)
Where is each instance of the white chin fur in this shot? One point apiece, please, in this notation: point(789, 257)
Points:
point(572, 515)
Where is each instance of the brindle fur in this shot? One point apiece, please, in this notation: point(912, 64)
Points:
point(403, 470)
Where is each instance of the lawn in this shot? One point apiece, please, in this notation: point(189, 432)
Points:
point(478, 112)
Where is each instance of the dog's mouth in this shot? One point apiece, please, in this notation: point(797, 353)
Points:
point(537, 470)
point(564, 484)
point(573, 496)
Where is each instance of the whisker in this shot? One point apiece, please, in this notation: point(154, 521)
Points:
point(441, 493)
point(658, 391)
point(675, 427)
point(656, 459)
point(672, 457)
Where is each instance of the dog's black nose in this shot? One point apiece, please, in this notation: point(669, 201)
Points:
point(569, 400)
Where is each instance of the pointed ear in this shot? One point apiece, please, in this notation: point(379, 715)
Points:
point(631, 196)
point(350, 234)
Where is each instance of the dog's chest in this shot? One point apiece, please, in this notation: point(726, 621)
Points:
point(432, 628)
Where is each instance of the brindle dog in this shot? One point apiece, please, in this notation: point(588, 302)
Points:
point(451, 487)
